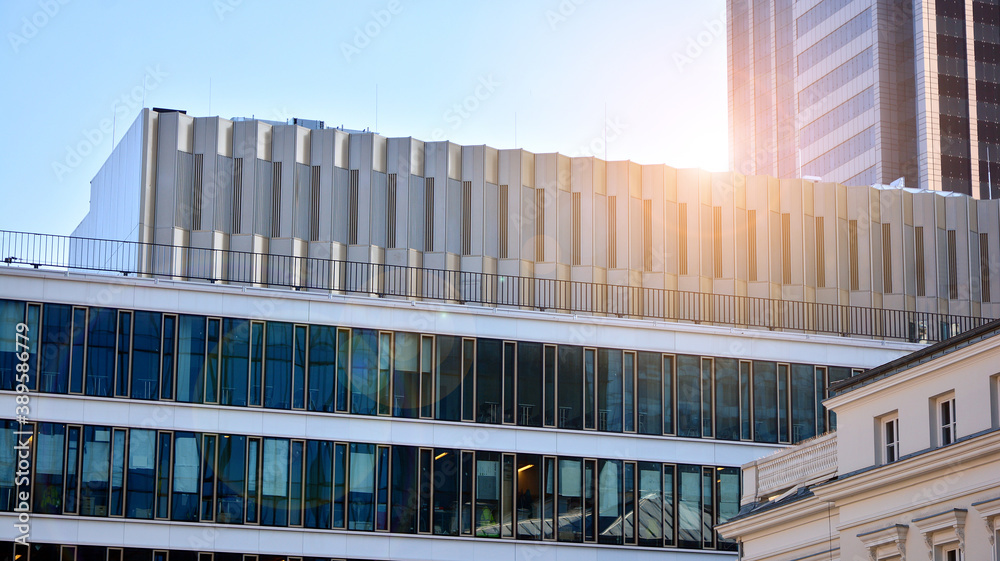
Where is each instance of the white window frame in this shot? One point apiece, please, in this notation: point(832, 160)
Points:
point(889, 449)
point(944, 411)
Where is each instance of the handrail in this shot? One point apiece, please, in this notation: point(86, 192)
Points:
point(26, 249)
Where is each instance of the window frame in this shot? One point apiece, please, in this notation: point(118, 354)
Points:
point(946, 431)
point(888, 448)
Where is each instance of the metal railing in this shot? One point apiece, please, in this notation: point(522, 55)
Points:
point(304, 272)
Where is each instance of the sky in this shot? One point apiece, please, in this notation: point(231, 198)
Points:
point(543, 75)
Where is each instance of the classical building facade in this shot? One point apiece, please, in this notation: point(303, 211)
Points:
point(867, 91)
point(910, 472)
point(277, 341)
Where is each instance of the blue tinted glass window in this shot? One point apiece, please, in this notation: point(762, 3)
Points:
point(322, 365)
point(146, 356)
point(190, 358)
point(101, 351)
point(278, 368)
point(56, 336)
point(235, 361)
point(364, 374)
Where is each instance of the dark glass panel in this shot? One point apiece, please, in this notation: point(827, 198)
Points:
point(609, 390)
point(727, 399)
point(322, 367)
point(319, 484)
point(406, 380)
point(278, 365)
point(529, 384)
point(570, 414)
point(688, 396)
point(235, 361)
point(648, 394)
point(146, 356)
point(449, 378)
point(489, 383)
point(231, 479)
point(101, 332)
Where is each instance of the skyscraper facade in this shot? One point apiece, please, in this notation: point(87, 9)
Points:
point(867, 91)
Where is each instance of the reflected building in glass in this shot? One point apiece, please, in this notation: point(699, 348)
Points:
point(514, 401)
point(867, 91)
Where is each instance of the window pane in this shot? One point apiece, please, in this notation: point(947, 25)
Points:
point(549, 383)
point(278, 366)
point(299, 368)
point(339, 486)
point(117, 472)
point(727, 395)
point(509, 381)
point(529, 496)
point(124, 353)
point(668, 505)
point(548, 498)
point(163, 475)
point(404, 490)
point(488, 486)
point(361, 495)
point(570, 512)
point(208, 478)
point(746, 408)
point(529, 385)
point(489, 384)
point(168, 357)
point(343, 367)
point(803, 419)
point(590, 397)
point(255, 385)
point(609, 390)
point(708, 507)
point(56, 336)
point(406, 381)
point(146, 356)
point(648, 394)
point(589, 500)
point(319, 483)
point(446, 471)
point(253, 480)
point(48, 491)
point(235, 361)
point(187, 465)
point(508, 499)
point(728, 502)
point(609, 502)
point(322, 365)
point(295, 484)
point(783, 426)
point(190, 358)
point(79, 351)
point(688, 396)
point(689, 506)
point(449, 378)
point(468, 482)
point(95, 474)
point(101, 351)
point(468, 380)
point(424, 489)
point(650, 505)
point(274, 483)
point(382, 488)
point(628, 392)
point(668, 395)
point(570, 387)
point(628, 502)
point(364, 374)
point(212, 361)
point(12, 313)
point(707, 393)
point(765, 402)
point(141, 483)
point(384, 372)
point(229, 487)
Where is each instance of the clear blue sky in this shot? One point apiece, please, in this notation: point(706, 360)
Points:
point(457, 70)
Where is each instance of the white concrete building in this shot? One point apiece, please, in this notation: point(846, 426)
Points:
point(911, 470)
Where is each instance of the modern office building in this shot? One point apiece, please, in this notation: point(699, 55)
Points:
point(867, 91)
point(910, 472)
point(275, 341)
